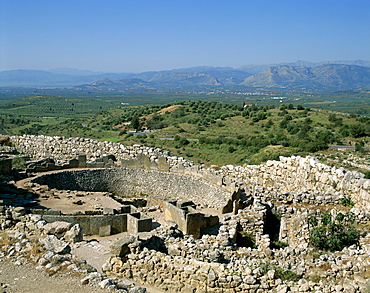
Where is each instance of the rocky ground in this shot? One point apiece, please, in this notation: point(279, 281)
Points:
point(179, 263)
point(26, 278)
point(21, 271)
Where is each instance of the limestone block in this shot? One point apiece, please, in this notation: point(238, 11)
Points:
point(82, 161)
point(121, 247)
point(106, 283)
point(108, 211)
point(75, 234)
point(366, 184)
point(137, 289)
point(73, 163)
point(55, 245)
point(125, 284)
point(18, 212)
point(57, 228)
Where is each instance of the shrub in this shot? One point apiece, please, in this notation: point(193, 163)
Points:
point(359, 147)
point(231, 149)
point(367, 174)
point(285, 275)
point(277, 244)
point(6, 141)
point(358, 130)
point(334, 234)
point(347, 202)
point(19, 163)
point(135, 123)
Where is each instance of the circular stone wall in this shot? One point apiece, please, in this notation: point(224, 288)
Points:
point(129, 182)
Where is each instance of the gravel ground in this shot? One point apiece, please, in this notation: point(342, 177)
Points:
point(26, 278)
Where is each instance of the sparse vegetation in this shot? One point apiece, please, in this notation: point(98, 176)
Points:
point(283, 274)
point(277, 244)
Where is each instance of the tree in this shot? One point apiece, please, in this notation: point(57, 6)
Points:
point(358, 130)
point(359, 147)
point(269, 123)
point(135, 123)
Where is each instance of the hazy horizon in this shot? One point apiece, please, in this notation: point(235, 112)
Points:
point(54, 70)
point(143, 35)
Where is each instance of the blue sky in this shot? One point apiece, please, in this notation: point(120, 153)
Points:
point(144, 35)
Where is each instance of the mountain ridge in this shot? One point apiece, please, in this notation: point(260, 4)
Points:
point(299, 74)
point(329, 76)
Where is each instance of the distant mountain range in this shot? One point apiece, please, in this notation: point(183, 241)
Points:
point(328, 76)
point(296, 75)
point(255, 69)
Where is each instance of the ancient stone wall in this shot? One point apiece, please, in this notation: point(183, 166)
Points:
point(129, 182)
point(125, 220)
point(306, 179)
point(65, 149)
point(314, 182)
point(189, 220)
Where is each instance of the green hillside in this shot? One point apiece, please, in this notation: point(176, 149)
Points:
point(212, 133)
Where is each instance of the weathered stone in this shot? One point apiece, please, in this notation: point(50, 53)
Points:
point(121, 247)
point(75, 234)
point(57, 228)
point(137, 289)
point(18, 212)
point(125, 284)
point(55, 245)
point(106, 283)
point(105, 230)
point(35, 218)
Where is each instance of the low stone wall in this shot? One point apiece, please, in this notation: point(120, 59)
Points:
point(91, 224)
point(128, 220)
point(189, 220)
point(138, 222)
point(129, 182)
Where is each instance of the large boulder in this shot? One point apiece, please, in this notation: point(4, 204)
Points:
point(121, 247)
point(57, 228)
point(137, 289)
point(18, 213)
point(52, 243)
point(75, 234)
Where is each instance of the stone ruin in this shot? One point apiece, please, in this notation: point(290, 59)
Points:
point(231, 250)
point(187, 218)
